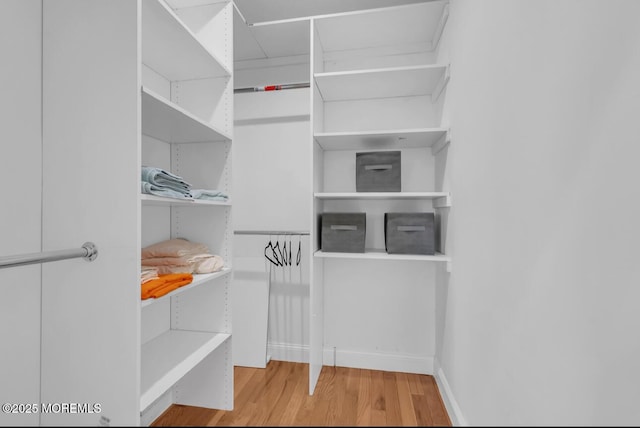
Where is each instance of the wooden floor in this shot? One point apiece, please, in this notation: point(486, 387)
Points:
point(279, 396)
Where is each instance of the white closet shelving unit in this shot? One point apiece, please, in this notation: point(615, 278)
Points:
point(186, 125)
point(127, 84)
point(376, 85)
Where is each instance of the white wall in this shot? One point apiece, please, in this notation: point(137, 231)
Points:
point(21, 212)
point(90, 173)
point(271, 191)
point(271, 187)
point(272, 71)
point(542, 313)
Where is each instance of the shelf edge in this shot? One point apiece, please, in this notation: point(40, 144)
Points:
point(197, 283)
point(381, 255)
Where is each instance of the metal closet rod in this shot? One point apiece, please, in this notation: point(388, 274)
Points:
point(88, 251)
point(272, 87)
point(270, 232)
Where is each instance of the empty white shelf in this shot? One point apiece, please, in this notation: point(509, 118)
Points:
point(381, 195)
point(370, 254)
point(171, 49)
point(372, 140)
point(381, 28)
point(169, 122)
point(381, 83)
point(168, 357)
point(162, 201)
point(198, 280)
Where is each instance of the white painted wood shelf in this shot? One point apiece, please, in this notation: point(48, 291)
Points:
point(198, 280)
point(148, 200)
point(172, 49)
point(382, 82)
point(168, 357)
point(440, 199)
point(167, 121)
point(381, 195)
point(383, 139)
point(374, 254)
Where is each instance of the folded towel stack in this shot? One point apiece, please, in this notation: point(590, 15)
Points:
point(180, 256)
point(157, 181)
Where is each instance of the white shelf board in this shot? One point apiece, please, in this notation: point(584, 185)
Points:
point(169, 122)
point(380, 83)
point(148, 199)
point(370, 254)
point(172, 49)
point(168, 357)
point(198, 280)
point(371, 140)
point(381, 195)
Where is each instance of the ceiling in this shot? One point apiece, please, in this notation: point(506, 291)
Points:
point(255, 38)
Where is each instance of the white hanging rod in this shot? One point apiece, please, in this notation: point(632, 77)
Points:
point(88, 251)
point(272, 87)
point(269, 232)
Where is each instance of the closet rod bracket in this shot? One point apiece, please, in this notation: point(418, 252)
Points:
point(92, 251)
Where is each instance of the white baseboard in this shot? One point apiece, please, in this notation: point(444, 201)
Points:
point(378, 361)
point(455, 414)
point(288, 352)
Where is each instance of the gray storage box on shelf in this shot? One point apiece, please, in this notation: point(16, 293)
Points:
point(378, 171)
point(343, 232)
point(409, 233)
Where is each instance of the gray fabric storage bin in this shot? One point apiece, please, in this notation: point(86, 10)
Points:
point(343, 232)
point(378, 171)
point(409, 233)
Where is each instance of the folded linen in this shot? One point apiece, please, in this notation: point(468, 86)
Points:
point(147, 273)
point(168, 261)
point(164, 284)
point(153, 189)
point(210, 195)
point(209, 264)
point(200, 263)
point(177, 247)
point(163, 178)
point(165, 270)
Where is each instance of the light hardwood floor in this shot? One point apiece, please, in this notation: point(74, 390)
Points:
point(279, 396)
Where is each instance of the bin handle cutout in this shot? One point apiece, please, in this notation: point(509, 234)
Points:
point(378, 167)
point(411, 228)
point(343, 227)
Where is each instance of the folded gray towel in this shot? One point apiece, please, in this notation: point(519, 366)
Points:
point(165, 179)
point(152, 189)
point(210, 195)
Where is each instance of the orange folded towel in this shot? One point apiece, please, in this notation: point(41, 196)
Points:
point(165, 289)
point(164, 284)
